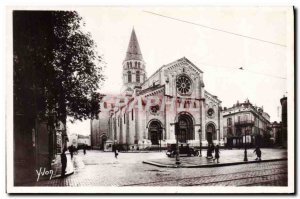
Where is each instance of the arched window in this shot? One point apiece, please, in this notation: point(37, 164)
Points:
point(139, 64)
point(130, 64)
point(137, 76)
point(135, 64)
point(129, 76)
point(195, 105)
point(127, 64)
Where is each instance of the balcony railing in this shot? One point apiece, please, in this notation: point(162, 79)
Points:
point(244, 123)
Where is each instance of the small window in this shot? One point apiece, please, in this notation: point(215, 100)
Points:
point(135, 64)
point(229, 121)
point(129, 76)
point(132, 114)
point(138, 76)
point(186, 104)
point(139, 65)
point(105, 105)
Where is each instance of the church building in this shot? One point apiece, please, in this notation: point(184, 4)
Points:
point(144, 114)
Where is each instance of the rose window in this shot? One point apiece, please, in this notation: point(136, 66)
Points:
point(184, 85)
point(210, 112)
point(154, 109)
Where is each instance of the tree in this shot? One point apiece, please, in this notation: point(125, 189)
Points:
point(56, 66)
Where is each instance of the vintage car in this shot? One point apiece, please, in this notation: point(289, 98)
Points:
point(184, 149)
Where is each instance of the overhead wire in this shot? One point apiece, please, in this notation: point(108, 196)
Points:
point(246, 70)
point(216, 29)
point(228, 32)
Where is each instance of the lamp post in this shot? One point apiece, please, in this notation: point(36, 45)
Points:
point(245, 152)
point(160, 132)
point(177, 147)
point(200, 139)
point(219, 136)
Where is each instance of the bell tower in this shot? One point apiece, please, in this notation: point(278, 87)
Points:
point(134, 73)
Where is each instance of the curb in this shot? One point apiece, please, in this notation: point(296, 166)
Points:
point(59, 176)
point(210, 165)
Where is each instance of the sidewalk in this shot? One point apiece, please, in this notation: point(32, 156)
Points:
point(227, 158)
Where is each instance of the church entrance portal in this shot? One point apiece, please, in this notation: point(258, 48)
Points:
point(186, 128)
point(210, 133)
point(155, 132)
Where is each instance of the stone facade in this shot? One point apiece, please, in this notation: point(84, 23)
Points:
point(276, 133)
point(144, 114)
point(244, 119)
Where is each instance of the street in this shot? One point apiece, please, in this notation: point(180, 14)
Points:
point(98, 168)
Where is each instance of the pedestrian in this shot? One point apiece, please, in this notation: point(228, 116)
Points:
point(212, 149)
point(209, 152)
point(71, 150)
point(84, 149)
point(63, 158)
point(217, 153)
point(258, 153)
point(116, 153)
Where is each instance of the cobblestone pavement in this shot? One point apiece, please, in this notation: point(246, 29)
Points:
point(102, 169)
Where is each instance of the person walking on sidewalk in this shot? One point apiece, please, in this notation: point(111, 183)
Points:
point(217, 153)
point(116, 153)
point(63, 158)
point(71, 150)
point(84, 149)
point(210, 150)
point(258, 153)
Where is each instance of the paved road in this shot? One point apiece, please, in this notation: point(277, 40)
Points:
point(102, 169)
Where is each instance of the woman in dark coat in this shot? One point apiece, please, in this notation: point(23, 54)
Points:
point(258, 153)
point(63, 158)
point(217, 153)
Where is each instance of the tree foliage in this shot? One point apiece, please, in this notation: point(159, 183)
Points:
point(57, 70)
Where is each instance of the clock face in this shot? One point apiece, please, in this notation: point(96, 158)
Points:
point(210, 112)
point(184, 85)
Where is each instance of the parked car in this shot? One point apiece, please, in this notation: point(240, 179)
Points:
point(184, 149)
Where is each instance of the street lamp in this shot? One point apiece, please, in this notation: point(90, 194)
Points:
point(245, 152)
point(160, 132)
point(200, 139)
point(219, 134)
point(177, 147)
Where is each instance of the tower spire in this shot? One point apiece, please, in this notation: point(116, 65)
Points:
point(133, 50)
point(134, 74)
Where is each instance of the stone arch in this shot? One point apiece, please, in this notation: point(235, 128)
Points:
point(186, 126)
point(103, 138)
point(211, 132)
point(155, 131)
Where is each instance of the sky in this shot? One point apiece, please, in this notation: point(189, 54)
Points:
point(218, 54)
